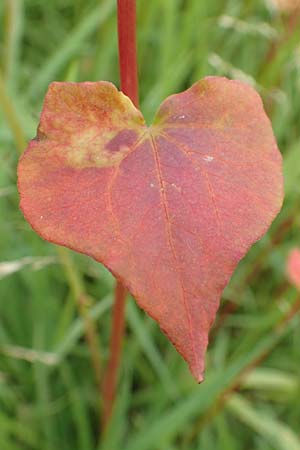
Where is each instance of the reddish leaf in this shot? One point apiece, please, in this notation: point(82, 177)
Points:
point(170, 209)
point(293, 267)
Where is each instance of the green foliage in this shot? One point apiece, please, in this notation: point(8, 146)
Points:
point(48, 394)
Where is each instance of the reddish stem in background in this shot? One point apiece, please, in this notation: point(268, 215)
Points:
point(129, 86)
point(111, 373)
point(127, 49)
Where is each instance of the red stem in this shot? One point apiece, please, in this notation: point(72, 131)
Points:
point(129, 86)
point(111, 373)
point(127, 49)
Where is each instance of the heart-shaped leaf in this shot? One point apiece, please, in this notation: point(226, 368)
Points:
point(170, 209)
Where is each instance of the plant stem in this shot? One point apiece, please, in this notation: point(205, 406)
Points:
point(129, 86)
point(111, 373)
point(127, 49)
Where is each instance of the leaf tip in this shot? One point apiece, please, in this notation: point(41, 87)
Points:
point(199, 376)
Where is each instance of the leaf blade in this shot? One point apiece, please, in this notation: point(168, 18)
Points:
point(170, 209)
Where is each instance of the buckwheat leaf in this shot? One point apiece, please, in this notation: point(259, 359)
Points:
point(170, 209)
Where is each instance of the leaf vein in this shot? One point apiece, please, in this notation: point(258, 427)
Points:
point(171, 243)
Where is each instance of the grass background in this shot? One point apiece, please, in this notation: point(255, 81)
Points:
point(48, 394)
